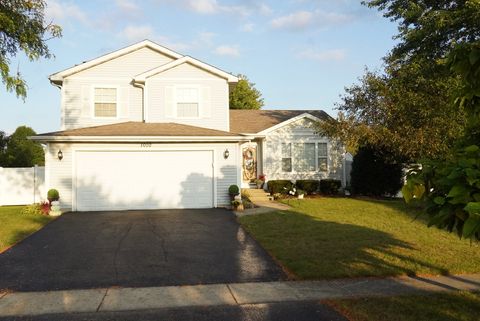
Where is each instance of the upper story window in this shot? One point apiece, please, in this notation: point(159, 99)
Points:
point(187, 102)
point(105, 102)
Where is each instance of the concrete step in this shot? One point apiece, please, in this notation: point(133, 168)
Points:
point(255, 199)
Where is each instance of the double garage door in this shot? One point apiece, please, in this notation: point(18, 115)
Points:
point(122, 180)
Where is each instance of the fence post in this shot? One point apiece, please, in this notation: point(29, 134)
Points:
point(35, 168)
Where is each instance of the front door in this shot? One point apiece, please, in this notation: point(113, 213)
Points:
point(249, 163)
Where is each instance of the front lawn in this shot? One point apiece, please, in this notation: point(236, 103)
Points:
point(15, 226)
point(452, 306)
point(342, 237)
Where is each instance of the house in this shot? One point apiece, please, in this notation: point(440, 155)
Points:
point(145, 127)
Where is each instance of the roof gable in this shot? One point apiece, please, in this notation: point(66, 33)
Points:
point(141, 78)
point(59, 76)
point(264, 121)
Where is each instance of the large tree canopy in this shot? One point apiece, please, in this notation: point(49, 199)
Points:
point(245, 95)
point(406, 109)
point(447, 35)
point(23, 28)
point(21, 151)
point(429, 28)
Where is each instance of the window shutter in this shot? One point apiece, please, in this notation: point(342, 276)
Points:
point(206, 102)
point(169, 102)
point(86, 107)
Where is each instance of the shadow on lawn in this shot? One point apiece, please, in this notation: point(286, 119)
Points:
point(336, 250)
point(30, 224)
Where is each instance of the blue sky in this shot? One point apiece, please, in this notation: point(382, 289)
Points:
point(300, 53)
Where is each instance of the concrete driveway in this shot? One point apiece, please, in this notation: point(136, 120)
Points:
point(136, 248)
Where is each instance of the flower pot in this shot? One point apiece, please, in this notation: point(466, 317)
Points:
point(239, 208)
point(300, 197)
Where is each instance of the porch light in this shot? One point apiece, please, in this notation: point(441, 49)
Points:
point(226, 153)
point(60, 155)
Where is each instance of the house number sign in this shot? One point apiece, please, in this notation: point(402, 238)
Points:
point(145, 145)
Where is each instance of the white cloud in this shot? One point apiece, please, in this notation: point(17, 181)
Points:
point(137, 33)
point(302, 20)
point(323, 55)
point(297, 20)
point(227, 50)
point(58, 11)
point(248, 27)
point(127, 6)
point(209, 7)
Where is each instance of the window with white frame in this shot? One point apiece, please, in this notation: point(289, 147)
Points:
point(304, 157)
point(187, 102)
point(322, 157)
point(105, 102)
point(286, 157)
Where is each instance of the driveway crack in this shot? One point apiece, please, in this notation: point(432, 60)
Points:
point(119, 245)
point(159, 237)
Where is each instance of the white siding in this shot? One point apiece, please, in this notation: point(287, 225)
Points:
point(60, 174)
point(127, 66)
point(302, 130)
point(77, 99)
point(160, 101)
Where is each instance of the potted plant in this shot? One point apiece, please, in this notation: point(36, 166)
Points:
point(237, 205)
point(259, 183)
point(233, 191)
point(261, 180)
point(53, 196)
point(300, 194)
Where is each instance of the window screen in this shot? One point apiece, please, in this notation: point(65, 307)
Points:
point(105, 102)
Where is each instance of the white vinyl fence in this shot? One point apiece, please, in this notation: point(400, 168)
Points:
point(21, 186)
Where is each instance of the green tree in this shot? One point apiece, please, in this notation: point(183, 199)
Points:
point(374, 174)
point(429, 28)
point(245, 95)
point(23, 28)
point(388, 109)
point(23, 152)
point(447, 32)
point(3, 148)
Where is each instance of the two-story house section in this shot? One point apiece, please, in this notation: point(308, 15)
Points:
point(145, 127)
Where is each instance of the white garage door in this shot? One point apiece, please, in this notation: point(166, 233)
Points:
point(119, 180)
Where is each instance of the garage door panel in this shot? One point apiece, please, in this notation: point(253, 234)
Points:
point(143, 180)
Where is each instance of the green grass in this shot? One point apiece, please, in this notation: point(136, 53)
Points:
point(453, 306)
point(340, 237)
point(15, 226)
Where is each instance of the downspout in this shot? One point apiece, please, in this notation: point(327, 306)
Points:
point(142, 86)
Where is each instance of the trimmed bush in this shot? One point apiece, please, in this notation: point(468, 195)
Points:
point(281, 186)
point(233, 190)
point(53, 195)
point(308, 185)
point(373, 175)
point(330, 186)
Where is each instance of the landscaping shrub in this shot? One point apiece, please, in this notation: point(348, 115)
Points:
point(330, 186)
point(282, 186)
point(373, 174)
point(310, 186)
point(233, 190)
point(33, 209)
point(37, 209)
point(53, 195)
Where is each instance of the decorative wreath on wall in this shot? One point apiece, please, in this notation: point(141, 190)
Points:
point(249, 164)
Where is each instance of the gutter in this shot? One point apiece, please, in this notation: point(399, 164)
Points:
point(128, 139)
